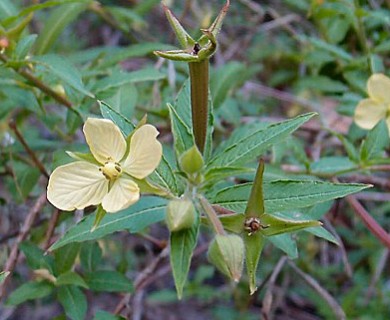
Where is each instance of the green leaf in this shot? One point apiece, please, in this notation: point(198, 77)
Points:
point(375, 143)
point(146, 211)
point(321, 232)
point(100, 213)
point(285, 243)
point(3, 276)
point(217, 174)
point(26, 178)
point(254, 244)
point(182, 245)
point(58, 20)
point(90, 255)
point(30, 291)
point(103, 315)
point(117, 55)
point(65, 257)
point(286, 195)
point(7, 9)
point(337, 51)
point(226, 78)
point(71, 278)
point(164, 176)
point(182, 134)
point(108, 281)
point(107, 86)
point(121, 121)
point(64, 70)
point(332, 165)
point(36, 258)
point(73, 301)
point(321, 83)
point(23, 46)
point(255, 143)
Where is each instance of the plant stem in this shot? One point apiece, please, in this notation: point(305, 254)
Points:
point(199, 77)
point(39, 84)
point(212, 215)
point(30, 152)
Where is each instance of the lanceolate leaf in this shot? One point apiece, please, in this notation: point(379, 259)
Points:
point(65, 257)
point(121, 121)
point(182, 246)
point(285, 243)
point(73, 301)
point(183, 139)
point(375, 143)
point(71, 278)
point(30, 291)
point(321, 232)
point(145, 212)
point(284, 195)
point(254, 144)
point(63, 69)
point(108, 281)
point(58, 20)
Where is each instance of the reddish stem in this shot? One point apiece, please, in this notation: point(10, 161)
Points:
point(369, 221)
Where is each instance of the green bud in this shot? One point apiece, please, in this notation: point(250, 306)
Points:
point(180, 214)
point(191, 161)
point(226, 252)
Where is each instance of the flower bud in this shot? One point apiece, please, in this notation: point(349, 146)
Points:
point(226, 253)
point(191, 161)
point(180, 215)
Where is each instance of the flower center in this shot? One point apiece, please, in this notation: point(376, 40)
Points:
point(111, 170)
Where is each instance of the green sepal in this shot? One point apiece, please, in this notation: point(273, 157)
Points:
point(178, 55)
point(254, 244)
point(255, 205)
point(100, 213)
point(226, 253)
point(184, 38)
point(180, 214)
point(217, 24)
point(273, 225)
point(191, 161)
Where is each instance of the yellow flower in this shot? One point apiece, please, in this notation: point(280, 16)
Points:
point(377, 107)
point(108, 180)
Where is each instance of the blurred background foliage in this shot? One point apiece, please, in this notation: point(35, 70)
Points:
point(276, 59)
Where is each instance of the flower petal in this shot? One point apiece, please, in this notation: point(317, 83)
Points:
point(145, 152)
point(104, 139)
point(378, 87)
point(124, 192)
point(76, 185)
point(368, 113)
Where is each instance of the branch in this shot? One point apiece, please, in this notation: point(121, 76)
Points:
point(333, 304)
point(369, 221)
point(24, 231)
point(30, 152)
point(39, 84)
